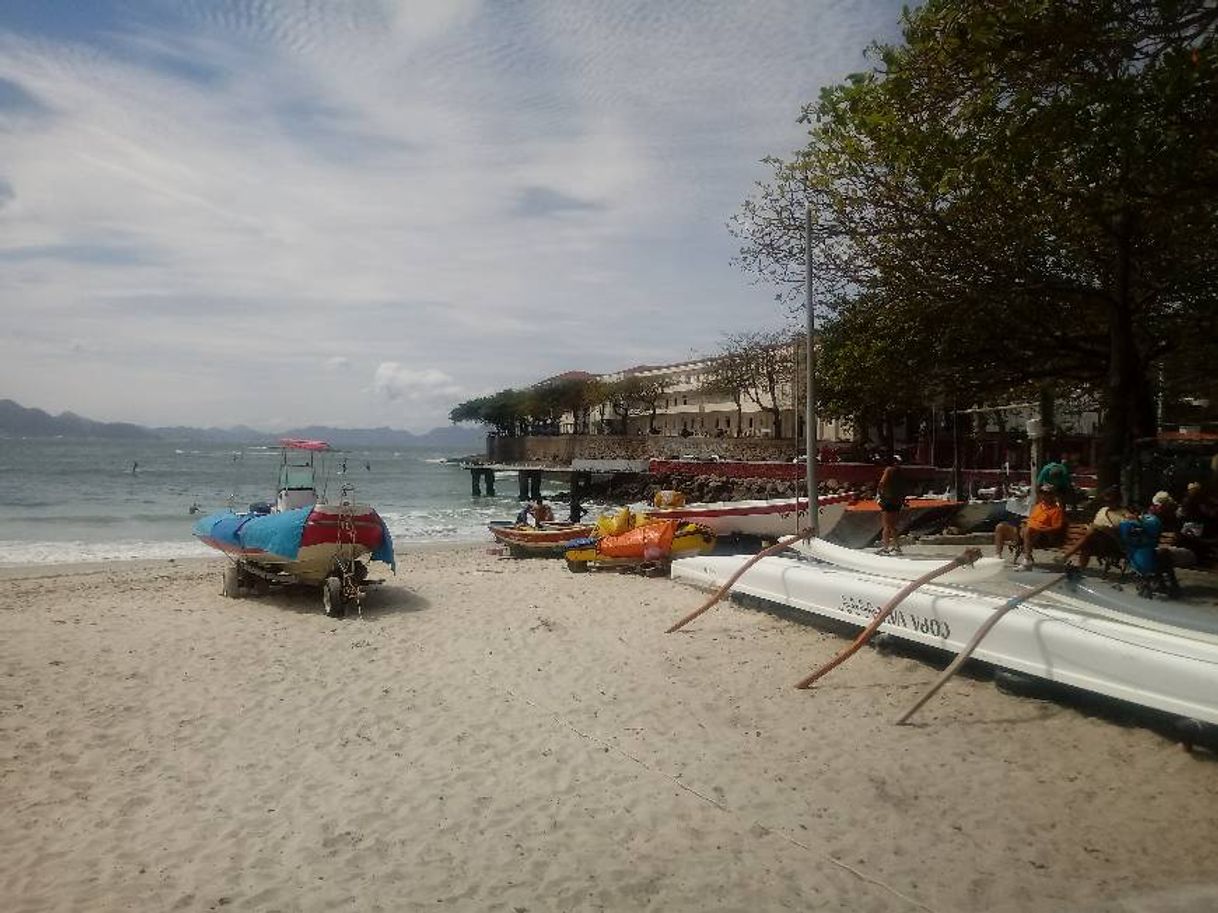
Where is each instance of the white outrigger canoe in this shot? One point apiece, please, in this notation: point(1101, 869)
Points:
point(1153, 653)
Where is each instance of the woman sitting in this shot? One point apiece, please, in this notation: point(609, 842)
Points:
point(1102, 541)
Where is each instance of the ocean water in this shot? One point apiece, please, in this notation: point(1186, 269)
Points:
point(78, 500)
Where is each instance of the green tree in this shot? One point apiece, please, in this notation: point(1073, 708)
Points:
point(761, 363)
point(1021, 193)
point(507, 411)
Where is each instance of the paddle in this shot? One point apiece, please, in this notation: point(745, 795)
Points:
point(964, 654)
point(722, 591)
point(968, 556)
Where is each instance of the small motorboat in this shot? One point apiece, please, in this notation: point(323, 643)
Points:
point(300, 539)
point(550, 539)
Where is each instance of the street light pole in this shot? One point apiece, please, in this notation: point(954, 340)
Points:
point(809, 403)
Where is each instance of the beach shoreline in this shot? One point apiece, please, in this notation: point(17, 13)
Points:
point(502, 734)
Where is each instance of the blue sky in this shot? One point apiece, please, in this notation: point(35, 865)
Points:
point(362, 213)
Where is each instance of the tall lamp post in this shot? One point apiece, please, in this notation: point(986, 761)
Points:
point(810, 399)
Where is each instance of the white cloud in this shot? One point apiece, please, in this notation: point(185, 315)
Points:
point(337, 363)
point(228, 197)
point(396, 382)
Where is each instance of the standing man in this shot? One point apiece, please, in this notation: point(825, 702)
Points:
point(890, 493)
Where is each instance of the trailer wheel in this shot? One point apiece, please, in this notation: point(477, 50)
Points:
point(231, 583)
point(332, 597)
point(577, 567)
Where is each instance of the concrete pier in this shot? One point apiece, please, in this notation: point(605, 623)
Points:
point(476, 477)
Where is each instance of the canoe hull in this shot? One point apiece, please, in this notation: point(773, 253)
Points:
point(764, 518)
point(1170, 668)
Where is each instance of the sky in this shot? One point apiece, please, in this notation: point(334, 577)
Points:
point(363, 213)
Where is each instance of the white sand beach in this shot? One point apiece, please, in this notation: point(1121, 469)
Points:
point(505, 735)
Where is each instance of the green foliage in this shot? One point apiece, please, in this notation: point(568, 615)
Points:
point(536, 409)
point(1020, 193)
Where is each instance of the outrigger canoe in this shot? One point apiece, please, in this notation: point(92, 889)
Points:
point(1154, 654)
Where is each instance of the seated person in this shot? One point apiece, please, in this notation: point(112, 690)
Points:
point(1198, 514)
point(1102, 539)
point(1056, 472)
point(542, 512)
point(538, 510)
point(1180, 549)
point(1045, 527)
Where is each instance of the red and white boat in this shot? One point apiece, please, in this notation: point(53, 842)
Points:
point(300, 538)
point(770, 518)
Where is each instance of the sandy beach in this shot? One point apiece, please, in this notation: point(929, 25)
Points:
point(504, 735)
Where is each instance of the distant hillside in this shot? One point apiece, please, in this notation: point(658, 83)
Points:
point(18, 421)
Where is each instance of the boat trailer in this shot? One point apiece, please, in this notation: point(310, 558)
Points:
point(342, 588)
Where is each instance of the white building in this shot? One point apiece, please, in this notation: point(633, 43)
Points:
point(685, 409)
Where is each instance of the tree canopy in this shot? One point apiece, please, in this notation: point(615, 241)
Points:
point(1020, 193)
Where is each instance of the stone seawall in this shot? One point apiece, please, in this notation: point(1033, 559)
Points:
point(563, 448)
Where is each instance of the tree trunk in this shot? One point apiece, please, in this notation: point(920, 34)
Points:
point(1128, 405)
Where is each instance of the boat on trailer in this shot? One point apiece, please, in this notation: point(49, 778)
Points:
point(301, 538)
point(1155, 654)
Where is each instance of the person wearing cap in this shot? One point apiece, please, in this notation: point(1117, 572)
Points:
point(1045, 527)
point(1181, 549)
point(1056, 472)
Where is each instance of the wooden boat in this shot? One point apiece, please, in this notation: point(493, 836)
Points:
point(653, 543)
point(300, 539)
point(550, 540)
point(1121, 647)
point(768, 518)
point(861, 523)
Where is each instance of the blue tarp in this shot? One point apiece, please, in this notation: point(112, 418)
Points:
point(278, 533)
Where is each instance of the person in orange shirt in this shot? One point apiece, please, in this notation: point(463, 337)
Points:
point(1045, 527)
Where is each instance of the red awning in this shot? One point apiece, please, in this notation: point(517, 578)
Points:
point(298, 444)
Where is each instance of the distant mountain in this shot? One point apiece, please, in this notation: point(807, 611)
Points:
point(16, 420)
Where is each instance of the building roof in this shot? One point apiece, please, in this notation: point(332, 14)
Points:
point(566, 375)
